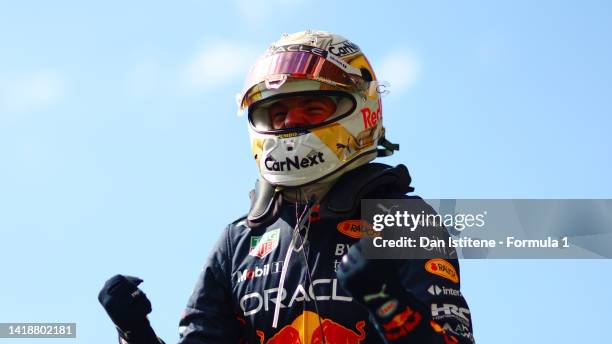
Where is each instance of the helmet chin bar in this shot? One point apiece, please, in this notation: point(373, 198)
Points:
point(348, 166)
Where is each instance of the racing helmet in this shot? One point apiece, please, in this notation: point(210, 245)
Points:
point(304, 65)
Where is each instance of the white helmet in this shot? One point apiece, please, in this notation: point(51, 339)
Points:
point(314, 63)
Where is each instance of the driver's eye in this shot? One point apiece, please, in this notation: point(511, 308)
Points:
point(279, 113)
point(277, 110)
point(315, 109)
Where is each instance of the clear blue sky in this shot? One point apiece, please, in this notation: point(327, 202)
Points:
point(120, 151)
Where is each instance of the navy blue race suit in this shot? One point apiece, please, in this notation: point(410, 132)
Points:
point(236, 293)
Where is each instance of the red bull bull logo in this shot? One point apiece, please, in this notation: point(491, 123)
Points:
point(308, 328)
point(288, 335)
point(402, 324)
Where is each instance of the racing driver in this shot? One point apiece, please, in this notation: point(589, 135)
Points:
point(293, 269)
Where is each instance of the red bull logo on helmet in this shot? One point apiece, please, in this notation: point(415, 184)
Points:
point(308, 328)
point(371, 118)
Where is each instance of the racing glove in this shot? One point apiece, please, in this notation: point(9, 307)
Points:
point(395, 312)
point(128, 306)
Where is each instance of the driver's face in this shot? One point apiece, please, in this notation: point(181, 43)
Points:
point(300, 111)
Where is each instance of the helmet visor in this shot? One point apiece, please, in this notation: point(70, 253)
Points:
point(300, 110)
point(300, 61)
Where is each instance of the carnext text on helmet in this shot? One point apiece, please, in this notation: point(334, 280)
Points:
point(296, 162)
point(344, 48)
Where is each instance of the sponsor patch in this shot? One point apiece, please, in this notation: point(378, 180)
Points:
point(351, 228)
point(298, 48)
point(371, 118)
point(344, 48)
point(460, 330)
point(323, 289)
point(356, 229)
point(287, 135)
point(259, 271)
point(296, 162)
point(262, 245)
point(401, 324)
point(387, 308)
point(447, 310)
point(442, 268)
point(442, 290)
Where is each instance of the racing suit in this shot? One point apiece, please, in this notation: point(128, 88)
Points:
point(237, 291)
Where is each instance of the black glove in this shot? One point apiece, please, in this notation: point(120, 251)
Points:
point(128, 306)
point(375, 284)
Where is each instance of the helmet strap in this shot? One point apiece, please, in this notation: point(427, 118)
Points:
point(388, 147)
